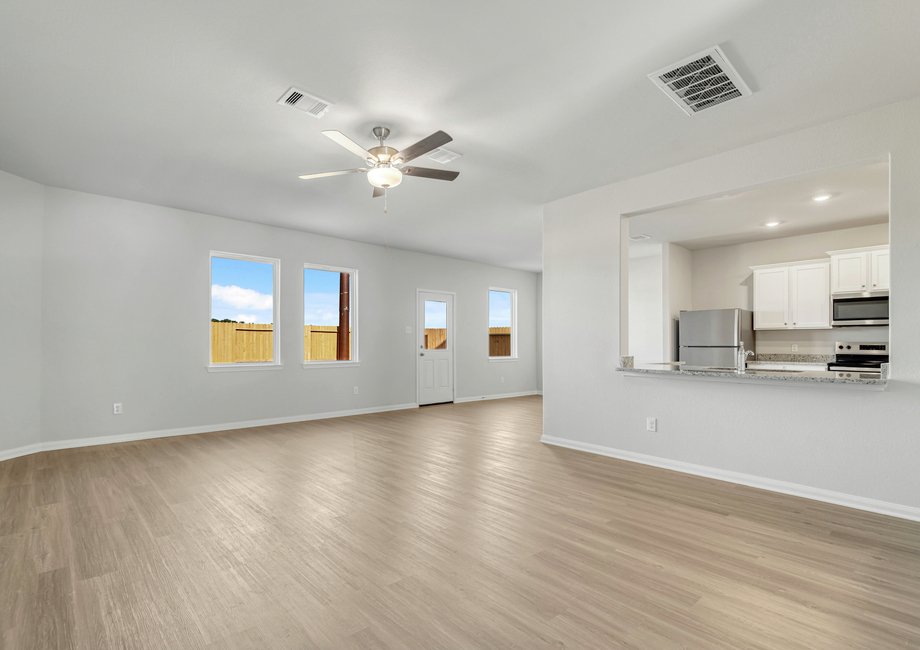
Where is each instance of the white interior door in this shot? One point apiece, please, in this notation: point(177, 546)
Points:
point(435, 348)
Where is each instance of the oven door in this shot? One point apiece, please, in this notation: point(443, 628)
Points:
point(860, 312)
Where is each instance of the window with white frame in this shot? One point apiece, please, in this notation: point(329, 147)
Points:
point(330, 315)
point(245, 314)
point(502, 324)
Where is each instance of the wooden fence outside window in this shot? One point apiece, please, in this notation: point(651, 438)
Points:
point(249, 343)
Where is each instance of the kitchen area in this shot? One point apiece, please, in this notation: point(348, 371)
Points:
point(788, 283)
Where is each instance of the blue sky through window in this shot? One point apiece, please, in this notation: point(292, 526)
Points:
point(241, 290)
point(321, 297)
point(499, 309)
point(435, 314)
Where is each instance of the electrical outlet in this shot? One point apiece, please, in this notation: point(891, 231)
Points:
point(795, 348)
point(356, 390)
point(651, 424)
point(117, 409)
point(408, 330)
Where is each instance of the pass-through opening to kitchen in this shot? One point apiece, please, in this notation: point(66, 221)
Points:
point(786, 279)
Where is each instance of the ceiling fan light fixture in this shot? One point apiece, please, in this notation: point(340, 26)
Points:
point(386, 177)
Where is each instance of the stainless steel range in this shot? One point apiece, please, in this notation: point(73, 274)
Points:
point(859, 360)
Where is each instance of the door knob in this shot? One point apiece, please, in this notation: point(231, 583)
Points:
point(421, 354)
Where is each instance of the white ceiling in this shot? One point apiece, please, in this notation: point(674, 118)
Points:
point(859, 197)
point(173, 103)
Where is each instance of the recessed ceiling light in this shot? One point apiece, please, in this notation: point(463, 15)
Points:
point(771, 224)
point(823, 197)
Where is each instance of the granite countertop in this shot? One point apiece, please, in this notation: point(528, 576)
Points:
point(814, 377)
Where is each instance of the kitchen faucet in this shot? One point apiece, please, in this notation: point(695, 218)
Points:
point(742, 358)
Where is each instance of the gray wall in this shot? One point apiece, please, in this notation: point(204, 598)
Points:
point(646, 309)
point(539, 331)
point(857, 443)
point(118, 298)
point(21, 208)
point(679, 292)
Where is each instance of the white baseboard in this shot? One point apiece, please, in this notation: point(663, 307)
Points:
point(185, 431)
point(539, 392)
point(794, 489)
point(459, 400)
point(7, 454)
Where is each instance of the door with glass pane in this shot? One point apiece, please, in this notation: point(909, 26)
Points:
point(435, 348)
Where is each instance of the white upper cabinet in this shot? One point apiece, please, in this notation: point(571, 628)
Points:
point(849, 272)
point(880, 270)
point(771, 298)
point(792, 296)
point(859, 270)
point(811, 296)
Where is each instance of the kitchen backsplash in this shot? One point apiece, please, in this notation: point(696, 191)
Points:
point(796, 358)
point(811, 342)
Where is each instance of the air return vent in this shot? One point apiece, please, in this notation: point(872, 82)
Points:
point(443, 155)
point(701, 81)
point(307, 103)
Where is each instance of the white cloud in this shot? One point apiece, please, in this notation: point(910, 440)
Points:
point(241, 298)
point(321, 309)
point(247, 318)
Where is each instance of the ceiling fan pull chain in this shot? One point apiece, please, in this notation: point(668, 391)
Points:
point(386, 244)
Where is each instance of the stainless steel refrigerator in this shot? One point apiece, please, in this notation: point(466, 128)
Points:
point(711, 337)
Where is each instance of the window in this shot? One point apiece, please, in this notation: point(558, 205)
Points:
point(244, 312)
point(435, 325)
point(330, 316)
point(502, 324)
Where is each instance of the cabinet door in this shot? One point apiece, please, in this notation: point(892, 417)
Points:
point(811, 296)
point(848, 272)
point(771, 299)
point(880, 270)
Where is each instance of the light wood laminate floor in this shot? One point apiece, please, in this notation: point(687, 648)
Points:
point(446, 527)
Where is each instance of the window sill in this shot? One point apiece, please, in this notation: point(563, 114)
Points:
point(329, 364)
point(237, 367)
point(502, 359)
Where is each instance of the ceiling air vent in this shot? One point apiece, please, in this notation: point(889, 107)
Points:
point(443, 156)
point(701, 81)
point(639, 237)
point(307, 103)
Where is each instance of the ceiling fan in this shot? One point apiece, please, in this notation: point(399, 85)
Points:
point(386, 165)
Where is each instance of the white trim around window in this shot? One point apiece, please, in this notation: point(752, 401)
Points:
point(514, 337)
point(275, 363)
point(353, 309)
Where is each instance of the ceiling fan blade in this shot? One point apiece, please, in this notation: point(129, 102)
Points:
point(338, 173)
point(427, 172)
point(378, 192)
point(422, 147)
point(342, 139)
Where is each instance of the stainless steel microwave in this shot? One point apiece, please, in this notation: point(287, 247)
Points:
point(860, 311)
